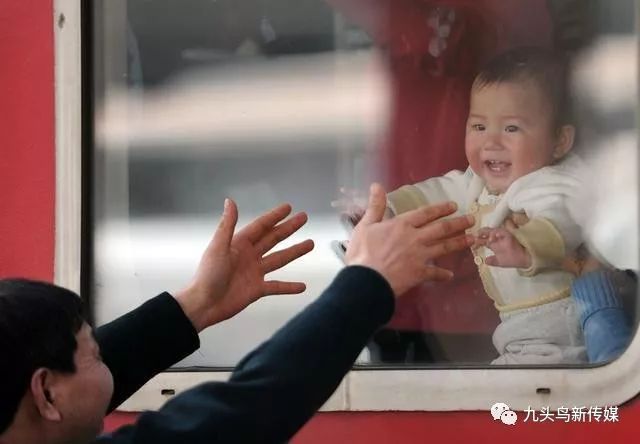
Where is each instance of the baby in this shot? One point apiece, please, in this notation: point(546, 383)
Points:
point(519, 180)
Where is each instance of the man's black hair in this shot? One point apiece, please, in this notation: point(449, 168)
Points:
point(546, 68)
point(38, 327)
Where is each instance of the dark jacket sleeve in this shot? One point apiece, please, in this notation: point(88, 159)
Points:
point(144, 342)
point(281, 384)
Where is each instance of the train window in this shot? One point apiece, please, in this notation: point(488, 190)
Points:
point(264, 102)
point(309, 101)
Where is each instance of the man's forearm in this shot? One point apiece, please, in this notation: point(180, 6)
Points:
point(281, 384)
point(144, 342)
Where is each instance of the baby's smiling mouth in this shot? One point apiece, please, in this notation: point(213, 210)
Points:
point(497, 166)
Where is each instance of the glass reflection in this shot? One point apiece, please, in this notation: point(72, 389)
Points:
point(271, 101)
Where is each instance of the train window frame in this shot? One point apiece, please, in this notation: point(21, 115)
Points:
point(433, 389)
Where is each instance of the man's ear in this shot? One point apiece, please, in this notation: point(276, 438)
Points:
point(43, 391)
point(564, 141)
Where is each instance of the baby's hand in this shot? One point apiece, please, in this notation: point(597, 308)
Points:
point(507, 251)
point(351, 205)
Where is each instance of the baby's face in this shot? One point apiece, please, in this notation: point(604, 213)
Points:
point(509, 132)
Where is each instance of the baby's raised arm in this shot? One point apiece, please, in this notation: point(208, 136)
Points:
point(452, 186)
point(551, 232)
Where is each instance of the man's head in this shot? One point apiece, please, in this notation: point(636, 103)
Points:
point(53, 381)
point(518, 116)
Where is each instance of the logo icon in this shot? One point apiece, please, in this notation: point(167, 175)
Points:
point(501, 411)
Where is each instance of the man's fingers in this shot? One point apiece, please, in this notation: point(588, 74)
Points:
point(449, 246)
point(424, 215)
point(376, 206)
point(223, 235)
point(446, 228)
point(276, 235)
point(279, 259)
point(283, 287)
point(256, 229)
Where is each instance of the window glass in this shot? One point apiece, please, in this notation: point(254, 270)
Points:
point(270, 101)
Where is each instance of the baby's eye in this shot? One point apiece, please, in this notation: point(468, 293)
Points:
point(478, 127)
point(511, 128)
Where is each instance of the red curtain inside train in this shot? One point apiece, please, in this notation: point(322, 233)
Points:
point(434, 49)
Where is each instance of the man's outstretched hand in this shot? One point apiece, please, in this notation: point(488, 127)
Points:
point(402, 248)
point(231, 273)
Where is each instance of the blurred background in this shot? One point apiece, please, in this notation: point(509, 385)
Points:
point(269, 101)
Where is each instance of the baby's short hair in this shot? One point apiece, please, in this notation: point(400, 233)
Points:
point(547, 69)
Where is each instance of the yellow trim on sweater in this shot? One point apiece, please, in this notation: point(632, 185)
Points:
point(406, 198)
point(541, 300)
point(489, 284)
point(541, 239)
point(543, 242)
point(537, 228)
point(490, 287)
